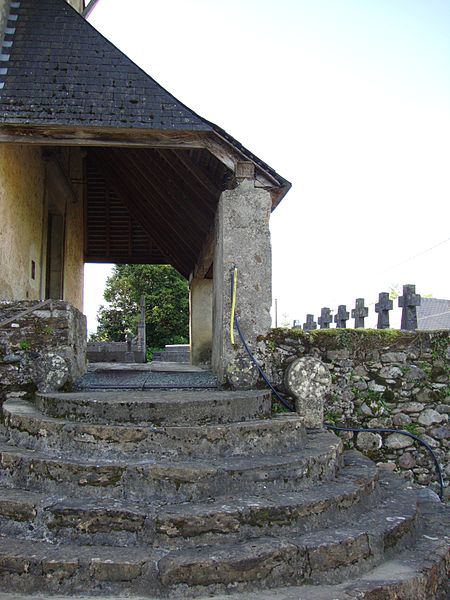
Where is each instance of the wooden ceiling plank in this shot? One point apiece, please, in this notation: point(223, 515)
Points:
point(196, 171)
point(183, 202)
point(180, 172)
point(116, 177)
point(173, 223)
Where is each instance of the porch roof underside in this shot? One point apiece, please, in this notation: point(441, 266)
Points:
point(151, 205)
point(61, 80)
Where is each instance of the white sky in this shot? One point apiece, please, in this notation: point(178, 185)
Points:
point(348, 99)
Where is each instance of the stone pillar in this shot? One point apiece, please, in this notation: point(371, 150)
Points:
point(242, 240)
point(200, 320)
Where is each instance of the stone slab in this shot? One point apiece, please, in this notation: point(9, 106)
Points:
point(158, 407)
point(30, 428)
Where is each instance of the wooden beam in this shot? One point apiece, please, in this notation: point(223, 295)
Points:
point(96, 136)
point(206, 256)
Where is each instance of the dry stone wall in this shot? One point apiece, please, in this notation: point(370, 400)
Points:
point(380, 379)
point(44, 349)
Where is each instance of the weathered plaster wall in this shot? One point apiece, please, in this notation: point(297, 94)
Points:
point(29, 187)
point(200, 323)
point(43, 350)
point(386, 379)
point(4, 10)
point(77, 4)
point(22, 175)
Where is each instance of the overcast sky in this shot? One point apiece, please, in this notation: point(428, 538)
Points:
point(348, 99)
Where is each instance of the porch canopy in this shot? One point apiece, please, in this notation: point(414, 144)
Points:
point(154, 170)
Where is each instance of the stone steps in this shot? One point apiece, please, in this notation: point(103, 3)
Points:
point(314, 557)
point(416, 573)
point(172, 480)
point(183, 494)
point(228, 518)
point(28, 427)
point(158, 407)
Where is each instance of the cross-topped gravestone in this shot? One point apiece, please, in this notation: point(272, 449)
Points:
point(409, 303)
point(310, 323)
point(359, 313)
point(382, 307)
point(325, 318)
point(341, 317)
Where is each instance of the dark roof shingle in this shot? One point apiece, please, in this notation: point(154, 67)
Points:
point(61, 71)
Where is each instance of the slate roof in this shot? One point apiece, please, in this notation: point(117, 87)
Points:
point(433, 313)
point(57, 69)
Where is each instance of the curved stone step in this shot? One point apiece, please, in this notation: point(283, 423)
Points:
point(277, 513)
point(157, 407)
point(322, 556)
point(419, 572)
point(265, 561)
point(30, 428)
point(172, 480)
point(30, 566)
point(230, 518)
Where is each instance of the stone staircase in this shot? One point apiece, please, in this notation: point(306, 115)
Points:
point(204, 494)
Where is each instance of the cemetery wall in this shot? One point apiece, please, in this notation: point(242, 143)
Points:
point(43, 350)
point(380, 379)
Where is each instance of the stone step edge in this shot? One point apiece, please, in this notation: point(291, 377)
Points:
point(356, 479)
point(420, 572)
point(157, 406)
point(249, 562)
point(313, 448)
point(22, 417)
point(315, 555)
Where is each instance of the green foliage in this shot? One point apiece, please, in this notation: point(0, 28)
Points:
point(412, 428)
point(278, 408)
point(24, 345)
point(167, 305)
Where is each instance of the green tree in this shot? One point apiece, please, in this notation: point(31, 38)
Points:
point(167, 304)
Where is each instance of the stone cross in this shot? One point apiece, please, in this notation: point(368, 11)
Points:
point(310, 323)
point(382, 307)
point(325, 318)
point(409, 302)
point(341, 317)
point(359, 313)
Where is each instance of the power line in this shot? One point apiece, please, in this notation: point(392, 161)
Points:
point(416, 255)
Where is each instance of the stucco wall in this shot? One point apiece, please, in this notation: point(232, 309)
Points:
point(22, 173)
point(29, 187)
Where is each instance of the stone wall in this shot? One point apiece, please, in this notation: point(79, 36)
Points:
point(43, 350)
point(381, 378)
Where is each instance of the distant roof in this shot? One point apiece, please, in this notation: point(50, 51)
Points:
point(433, 313)
point(56, 70)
